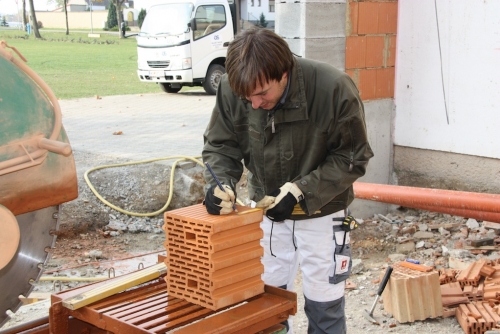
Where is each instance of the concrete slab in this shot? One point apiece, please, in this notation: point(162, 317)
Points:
point(151, 125)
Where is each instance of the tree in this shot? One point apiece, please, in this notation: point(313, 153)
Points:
point(140, 18)
point(119, 14)
point(4, 21)
point(112, 20)
point(34, 22)
point(65, 4)
point(262, 20)
point(24, 15)
point(62, 4)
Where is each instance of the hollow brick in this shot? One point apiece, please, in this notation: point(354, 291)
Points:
point(213, 261)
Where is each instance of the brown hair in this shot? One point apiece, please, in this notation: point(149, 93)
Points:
point(256, 55)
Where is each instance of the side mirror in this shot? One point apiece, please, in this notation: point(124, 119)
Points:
point(192, 24)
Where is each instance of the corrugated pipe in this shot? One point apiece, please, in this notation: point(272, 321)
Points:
point(461, 203)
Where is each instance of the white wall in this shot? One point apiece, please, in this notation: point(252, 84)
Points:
point(256, 10)
point(469, 32)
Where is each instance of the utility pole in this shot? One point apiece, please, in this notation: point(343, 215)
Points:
point(91, 25)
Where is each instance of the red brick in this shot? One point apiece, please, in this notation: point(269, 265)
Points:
point(352, 74)
point(353, 18)
point(355, 52)
point(368, 18)
point(387, 17)
point(213, 261)
point(391, 51)
point(367, 83)
point(385, 83)
point(375, 46)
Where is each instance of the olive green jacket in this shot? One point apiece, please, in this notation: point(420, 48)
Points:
point(320, 141)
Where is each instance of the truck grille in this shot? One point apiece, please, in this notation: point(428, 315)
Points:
point(159, 64)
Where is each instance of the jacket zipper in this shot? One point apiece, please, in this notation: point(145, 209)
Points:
point(351, 154)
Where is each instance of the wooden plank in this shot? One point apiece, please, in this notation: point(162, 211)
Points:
point(481, 242)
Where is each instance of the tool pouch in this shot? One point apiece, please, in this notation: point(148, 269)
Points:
point(342, 261)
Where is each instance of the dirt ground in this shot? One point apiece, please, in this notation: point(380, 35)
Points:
point(86, 247)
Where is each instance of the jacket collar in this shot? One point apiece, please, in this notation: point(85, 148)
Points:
point(294, 107)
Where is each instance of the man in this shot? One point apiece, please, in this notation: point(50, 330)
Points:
point(123, 28)
point(298, 126)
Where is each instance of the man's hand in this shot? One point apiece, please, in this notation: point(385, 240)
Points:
point(285, 199)
point(219, 202)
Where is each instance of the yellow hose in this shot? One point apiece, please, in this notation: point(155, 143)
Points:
point(171, 190)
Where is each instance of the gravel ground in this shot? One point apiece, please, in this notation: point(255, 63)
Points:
point(144, 187)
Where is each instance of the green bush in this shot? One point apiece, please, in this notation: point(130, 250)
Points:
point(112, 18)
point(262, 20)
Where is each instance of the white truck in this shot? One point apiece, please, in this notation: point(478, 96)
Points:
point(184, 43)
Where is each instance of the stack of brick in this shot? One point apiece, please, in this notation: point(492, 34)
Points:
point(473, 296)
point(213, 261)
point(371, 47)
point(417, 292)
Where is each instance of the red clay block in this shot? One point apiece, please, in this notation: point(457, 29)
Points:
point(367, 83)
point(368, 18)
point(352, 74)
point(385, 82)
point(391, 51)
point(355, 52)
point(375, 46)
point(213, 261)
point(353, 18)
point(387, 17)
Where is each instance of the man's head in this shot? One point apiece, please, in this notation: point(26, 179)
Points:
point(258, 64)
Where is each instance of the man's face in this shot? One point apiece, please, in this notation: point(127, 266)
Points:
point(268, 95)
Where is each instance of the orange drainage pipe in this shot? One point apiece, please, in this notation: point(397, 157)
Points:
point(468, 204)
point(480, 215)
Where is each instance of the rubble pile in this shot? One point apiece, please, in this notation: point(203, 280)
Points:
point(438, 240)
point(464, 254)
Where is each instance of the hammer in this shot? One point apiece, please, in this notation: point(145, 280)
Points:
point(369, 315)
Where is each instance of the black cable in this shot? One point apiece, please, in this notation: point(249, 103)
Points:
point(441, 63)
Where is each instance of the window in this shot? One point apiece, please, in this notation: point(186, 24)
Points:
point(209, 19)
point(271, 6)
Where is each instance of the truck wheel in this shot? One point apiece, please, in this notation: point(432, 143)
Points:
point(213, 78)
point(167, 88)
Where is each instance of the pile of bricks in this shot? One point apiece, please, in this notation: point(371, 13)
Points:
point(473, 295)
point(213, 261)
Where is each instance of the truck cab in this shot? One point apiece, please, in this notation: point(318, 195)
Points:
point(184, 43)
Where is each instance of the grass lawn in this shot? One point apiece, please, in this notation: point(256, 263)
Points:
point(77, 66)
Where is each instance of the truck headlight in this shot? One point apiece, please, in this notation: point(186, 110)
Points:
point(186, 63)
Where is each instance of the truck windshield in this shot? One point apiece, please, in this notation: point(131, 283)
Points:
point(168, 19)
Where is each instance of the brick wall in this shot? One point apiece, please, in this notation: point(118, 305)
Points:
point(371, 47)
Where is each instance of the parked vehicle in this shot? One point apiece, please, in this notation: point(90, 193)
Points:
point(184, 43)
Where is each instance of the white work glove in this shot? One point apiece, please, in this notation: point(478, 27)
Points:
point(279, 204)
point(219, 202)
